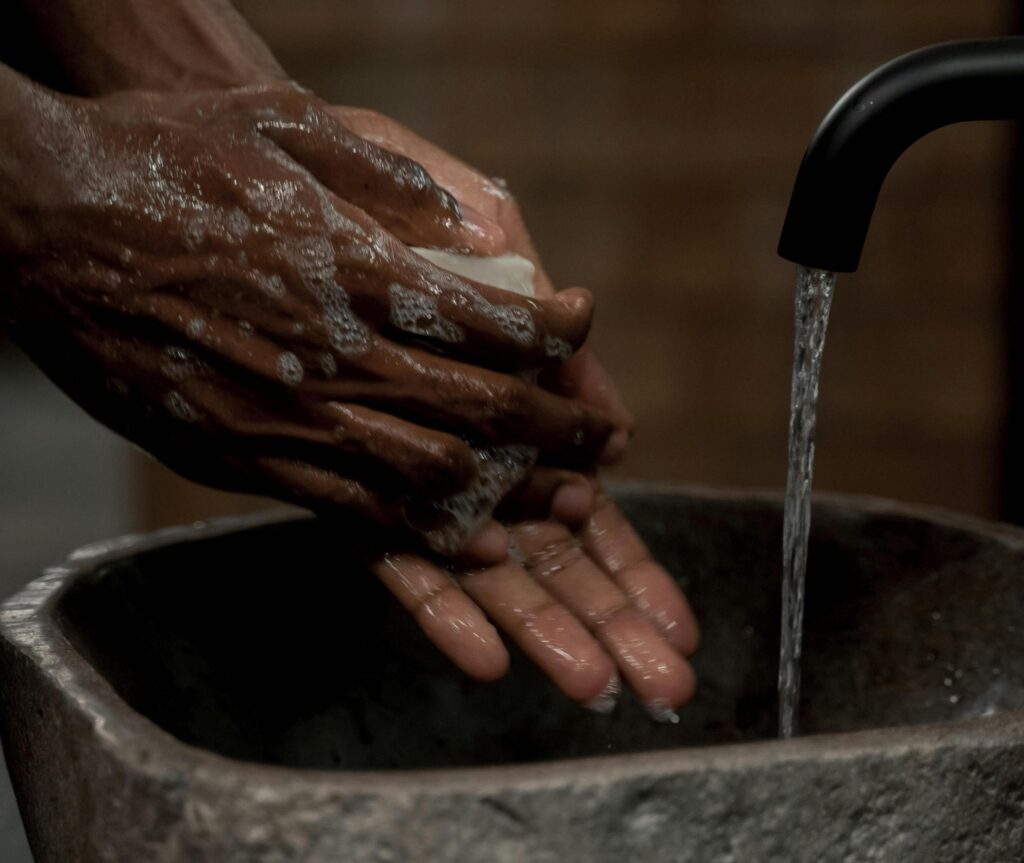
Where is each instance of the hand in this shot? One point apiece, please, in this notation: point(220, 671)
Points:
point(222, 277)
point(586, 606)
point(582, 377)
point(587, 609)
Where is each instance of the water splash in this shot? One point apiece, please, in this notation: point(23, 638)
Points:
point(813, 300)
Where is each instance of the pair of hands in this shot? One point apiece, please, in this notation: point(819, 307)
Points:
point(584, 600)
point(212, 273)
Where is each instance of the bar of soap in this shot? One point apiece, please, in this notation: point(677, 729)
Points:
point(509, 272)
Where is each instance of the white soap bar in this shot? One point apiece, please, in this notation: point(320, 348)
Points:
point(509, 272)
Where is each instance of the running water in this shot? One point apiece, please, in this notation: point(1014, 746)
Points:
point(813, 300)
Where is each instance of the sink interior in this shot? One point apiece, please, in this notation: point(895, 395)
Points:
point(274, 645)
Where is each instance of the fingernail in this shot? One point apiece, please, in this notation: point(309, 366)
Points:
point(606, 701)
point(660, 710)
point(575, 300)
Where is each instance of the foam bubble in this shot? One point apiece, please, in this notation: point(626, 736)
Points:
point(272, 285)
point(237, 224)
point(328, 365)
point(417, 313)
point(557, 348)
point(512, 273)
point(346, 333)
point(194, 235)
point(289, 369)
point(179, 408)
point(178, 363)
point(499, 470)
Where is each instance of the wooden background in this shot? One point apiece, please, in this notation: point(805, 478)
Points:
point(653, 145)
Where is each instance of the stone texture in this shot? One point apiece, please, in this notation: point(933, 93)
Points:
point(186, 697)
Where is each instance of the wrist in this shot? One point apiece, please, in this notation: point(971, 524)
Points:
point(30, 115)
point(154, 45)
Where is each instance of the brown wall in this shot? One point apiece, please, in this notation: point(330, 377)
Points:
point(653, 144)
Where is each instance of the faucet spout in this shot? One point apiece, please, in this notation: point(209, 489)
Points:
point(874, 122)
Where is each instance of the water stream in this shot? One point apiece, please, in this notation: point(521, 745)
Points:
point(813, 301)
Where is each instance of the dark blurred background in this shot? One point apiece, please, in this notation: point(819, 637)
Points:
point(652, 145)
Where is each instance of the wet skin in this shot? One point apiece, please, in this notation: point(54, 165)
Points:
point(185, 275)
point(182, 280)
point(581, 595)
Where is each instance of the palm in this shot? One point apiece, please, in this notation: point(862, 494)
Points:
point(587, 607)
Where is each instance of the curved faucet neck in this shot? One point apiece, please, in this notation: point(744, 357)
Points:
point(874, 122)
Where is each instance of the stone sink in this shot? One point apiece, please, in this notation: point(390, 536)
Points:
point(241, 692)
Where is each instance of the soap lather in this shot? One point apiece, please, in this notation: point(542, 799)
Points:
point(500, 468)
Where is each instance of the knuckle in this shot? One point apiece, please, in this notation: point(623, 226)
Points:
point(561, 554)
point(526, 624)
point(454, 464)
point(619, 610)
point(432, 601)
point(517, 401)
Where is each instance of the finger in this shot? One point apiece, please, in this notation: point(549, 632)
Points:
point(286, 479)
point(359, 443)
point(473, 190)
point(448, 617)
point(394, 190)
point(317, 489)
point(563, 495)
point(488, 546)
point(510, 217)
point(543, 629)
point(350, 438)
point(611, 540)
point(427, 461)
point(467, 319)
point(659, 676)
point(487, 406)
point(583, 377)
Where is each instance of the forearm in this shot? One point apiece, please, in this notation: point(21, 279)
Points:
point(109, 45)
point(25, 109)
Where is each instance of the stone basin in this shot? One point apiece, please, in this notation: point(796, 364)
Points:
point(242, 692)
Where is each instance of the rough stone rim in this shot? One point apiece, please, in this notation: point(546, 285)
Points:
point(27, 624)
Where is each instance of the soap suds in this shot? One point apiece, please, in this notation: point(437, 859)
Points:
point(557, 348)
point(289, 369)
point(178, 364)
point(179, 408)
point(328, 365)
point(417, 313)
point(500, 469)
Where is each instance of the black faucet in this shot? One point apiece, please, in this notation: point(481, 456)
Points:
point(874, 122)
